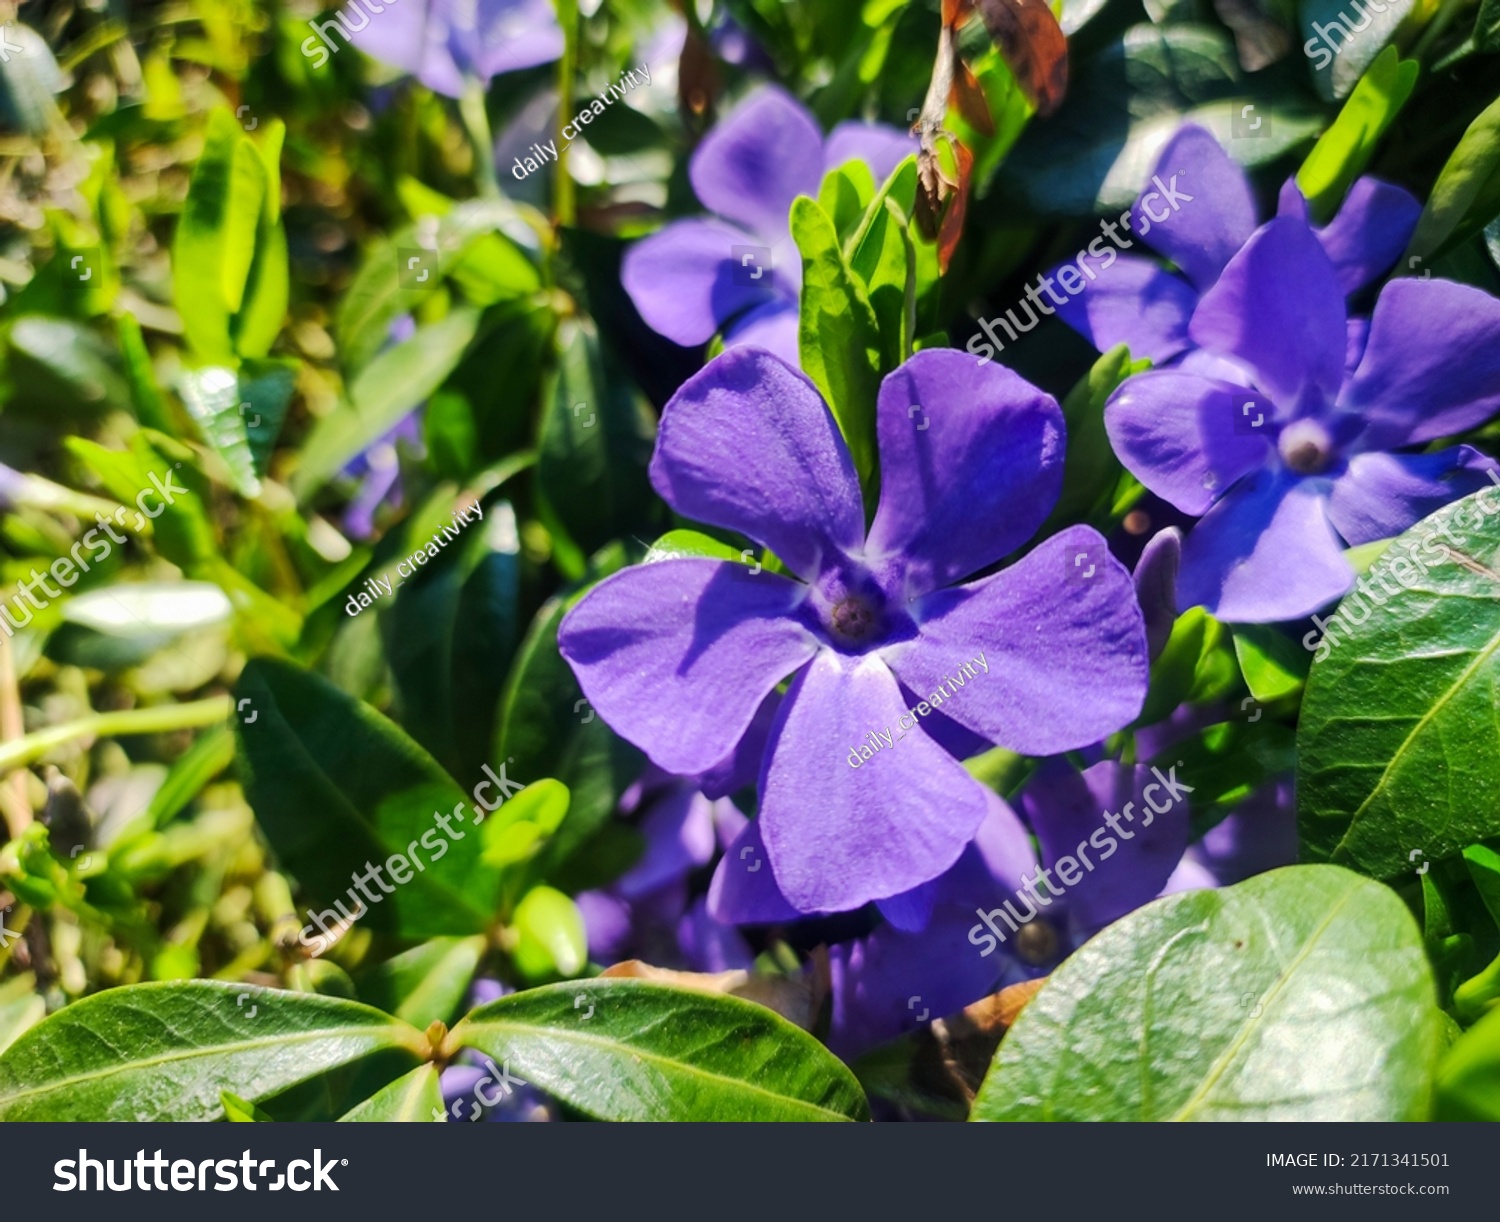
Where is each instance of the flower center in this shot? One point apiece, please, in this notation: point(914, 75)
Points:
point(1037, 942)
point(1305, 446)
point(854, 619)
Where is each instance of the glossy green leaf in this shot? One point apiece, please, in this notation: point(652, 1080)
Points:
point(839, 335)
point(629, 1050)
point(1343, 151)
point(338, 788)
point(595, 444)
point(1274, 664)
point(1302, 994)
point(452, 627)
point(240, 415)
point(167, 1051)
point(415, 1096)
point(1398, 746)
point(427, 983)
point(1466, 196)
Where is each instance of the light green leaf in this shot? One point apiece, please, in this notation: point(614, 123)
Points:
point(839, 335)
point(1343, 151)
point(1302, 994)
point(167, 1051)
point(241, 1111)
point(551, 937)
point(1274, 665)
point(1397, 743)
point(630, 1050)
point(412, 1097)
point(1468, 1080)
point(427, 983)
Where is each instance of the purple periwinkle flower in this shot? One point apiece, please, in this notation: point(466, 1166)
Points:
point(739, 271)
point(444, 43)
point(1288, 455)
point(1132, 300)
point(895, 649)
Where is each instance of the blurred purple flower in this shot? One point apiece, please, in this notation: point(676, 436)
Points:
point(376, 470)
point(738, 271)
point(443, 43)
point(1042, 657)
point(1137, 302)
point(1286, 454)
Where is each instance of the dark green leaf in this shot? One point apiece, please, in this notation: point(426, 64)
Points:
point(1302, 994)
point(427, 983)
point(337, 788)
point(1397, 740)
point(629, 1050)
point(167, 1051)
point(1466, 196)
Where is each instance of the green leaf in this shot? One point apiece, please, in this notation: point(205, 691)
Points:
point(1487, 26)
point(1187, 1009)
point(845, 193)
point(167, 1051)
point(1274, 665)
point(1484, 869)
point(413, 1096)
point(64, 367)
point(452, 630)
point(338, 788)
point(241, 1111)
point(1336, 77)
point(678, 543)
point(1090, 466)
point(1127, 100)
point(551, 937)
point(28, 79)
point(1343, 151)
point(647, 1052)
point(839, 335)
point(385, 391)
point(240, 415)
point(548, 729)
point(595, 445)
point(1397, 739)
point(1193, 665)
point(1468, 1079)
point(21, 1008)
point(1466, 196)
point(427, 983)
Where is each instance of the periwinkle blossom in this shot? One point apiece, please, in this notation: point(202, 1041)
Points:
point(1132, 300)
point(1287, 455)
point(647, 913)
point(445, 43)
point(738, 272)
point(879, 628)
point(376, 470)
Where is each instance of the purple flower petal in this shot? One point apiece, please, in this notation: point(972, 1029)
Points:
point(838, 835)
point(878, 145)
point(1264, 553)
point(708, 945)
point(683, 281)
point(1260, 835)
point(772, 325)
point(1155, 581)
point(748, 444)
point(759, 158)
point(744, 890)
point(679, 833)
point(677, 655)
point(1133, 302)
point(515, 34)
point(1206, 229)
point(1181, 436)
point(1062, 638)
point(962, 444)
point(1431, 366)
point(1381, 495)
point(1116, 864)
point(607, 924)
point(1370, 231)
point(1278, 308)
point(911, 910)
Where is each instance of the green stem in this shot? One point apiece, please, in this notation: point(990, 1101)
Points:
point(1447, 11)
point(563, 203)
point(22, 751)
point(477, 124)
